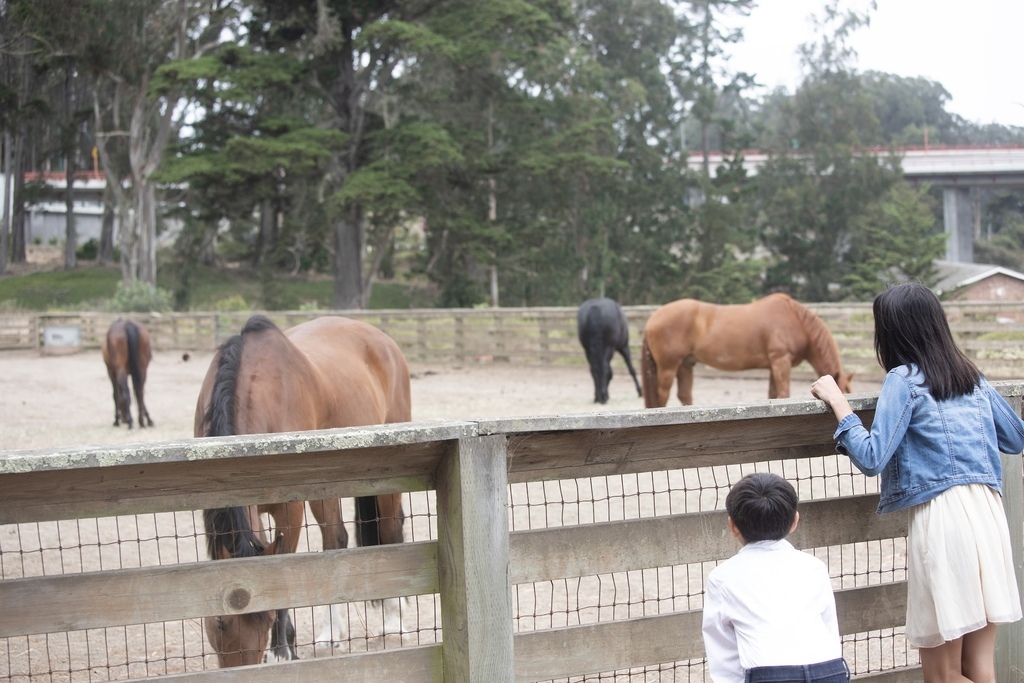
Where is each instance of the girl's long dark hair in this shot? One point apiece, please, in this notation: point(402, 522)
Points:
point(911, 327)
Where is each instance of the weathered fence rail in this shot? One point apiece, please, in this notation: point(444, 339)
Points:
point(991, 333)
point(476, 560)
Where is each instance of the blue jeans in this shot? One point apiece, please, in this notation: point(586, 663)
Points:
point(832, 671)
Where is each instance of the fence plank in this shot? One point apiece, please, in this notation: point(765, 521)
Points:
point(603, 548)
point(666, 638)
point(196, 474)
point(420, 663)
point(577, 446)
point(199, 589)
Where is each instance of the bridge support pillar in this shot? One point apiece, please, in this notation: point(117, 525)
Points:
point(957, 218)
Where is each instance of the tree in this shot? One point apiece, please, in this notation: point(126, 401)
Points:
point(896, 240)
point(129, 42)
point(821, 177)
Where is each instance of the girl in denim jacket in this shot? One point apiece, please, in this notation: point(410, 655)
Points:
point(935, 438)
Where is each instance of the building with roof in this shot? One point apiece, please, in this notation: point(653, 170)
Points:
point(978, 282)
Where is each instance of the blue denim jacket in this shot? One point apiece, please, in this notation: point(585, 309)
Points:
point(922, 446)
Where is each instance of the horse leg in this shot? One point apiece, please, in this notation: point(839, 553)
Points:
point(144, 418)
point(288, 518)
point(124, 399)
point(684, 377)
point(778, 385)
point(666, 376)
point(332, 530)
point(282, 636)
point(117, 401)
point(606, 370)
point(380, 520)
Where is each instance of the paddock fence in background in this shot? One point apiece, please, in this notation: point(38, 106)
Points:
point(992, 334)
point(559, 548)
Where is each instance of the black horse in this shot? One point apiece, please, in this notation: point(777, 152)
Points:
point(603, 330)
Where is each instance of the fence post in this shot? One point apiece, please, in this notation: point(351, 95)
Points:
point(473, 562)
point(545, 345)
point(460, 338)
point(1010, 637)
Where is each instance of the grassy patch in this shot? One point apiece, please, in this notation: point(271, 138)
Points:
point(79, 289)
point(88, 287)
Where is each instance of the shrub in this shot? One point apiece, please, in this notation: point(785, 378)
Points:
point(235, 302)
point(89, 250)
point(139, 297)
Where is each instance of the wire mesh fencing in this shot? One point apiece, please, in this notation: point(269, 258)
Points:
point(167, 539)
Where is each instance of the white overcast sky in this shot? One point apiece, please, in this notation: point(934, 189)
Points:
point(975, 49)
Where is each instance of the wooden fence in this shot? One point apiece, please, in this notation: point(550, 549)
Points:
point(476, 560)
point(991, 333)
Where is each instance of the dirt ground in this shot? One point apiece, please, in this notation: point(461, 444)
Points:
point(66, 400)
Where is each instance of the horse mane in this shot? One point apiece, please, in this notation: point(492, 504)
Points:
point(819, 339)
point(220, 414)
point(229, 529)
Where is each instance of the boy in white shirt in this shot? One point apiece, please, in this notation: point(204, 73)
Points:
point(769, 611)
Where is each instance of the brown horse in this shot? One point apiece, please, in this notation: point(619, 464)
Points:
point(775, 332)
point(327, 373)
point(127, 353)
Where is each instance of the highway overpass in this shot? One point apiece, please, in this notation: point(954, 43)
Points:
point(954, 169)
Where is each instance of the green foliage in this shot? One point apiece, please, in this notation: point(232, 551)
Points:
point(231, 304)
point(139, 297)
point(91, 288)
point(897, 240)
point(88, 250)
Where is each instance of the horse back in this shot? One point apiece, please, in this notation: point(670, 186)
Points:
point(361, 368)
point(601, 323)
point(673, 329)
point(728, 337)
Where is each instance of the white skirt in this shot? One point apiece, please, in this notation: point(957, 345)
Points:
point(960, 576)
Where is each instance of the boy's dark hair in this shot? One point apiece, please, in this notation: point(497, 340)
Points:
point(762, 505)
point(911, 327)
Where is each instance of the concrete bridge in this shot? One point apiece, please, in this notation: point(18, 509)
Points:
point(954, 169)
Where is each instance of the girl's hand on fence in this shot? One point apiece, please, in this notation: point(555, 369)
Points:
point(828, 391)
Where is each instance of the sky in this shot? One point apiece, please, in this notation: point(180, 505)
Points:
point(974, 49)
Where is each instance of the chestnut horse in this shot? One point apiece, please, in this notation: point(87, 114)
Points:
point(775, 332)
point(326, 373)
point(126, 352)
point(602, 330)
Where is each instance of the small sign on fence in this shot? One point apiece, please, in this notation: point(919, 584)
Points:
point(60, 339)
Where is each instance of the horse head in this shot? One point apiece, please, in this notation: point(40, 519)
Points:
point(239, 639)
point(843, 380)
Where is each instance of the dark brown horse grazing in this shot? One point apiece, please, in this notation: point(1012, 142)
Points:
point(775, 332)
point(127, 353)
point(326, 373)
point(602, 329)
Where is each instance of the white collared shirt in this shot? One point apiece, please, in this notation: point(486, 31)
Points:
point(769, 605)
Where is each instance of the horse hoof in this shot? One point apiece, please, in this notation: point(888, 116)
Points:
point(328, 642)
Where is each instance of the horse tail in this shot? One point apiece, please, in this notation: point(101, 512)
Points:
point(229, 530)
point(220, 414)
point(649, 373)
point(367, 521)
point(131, 332)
